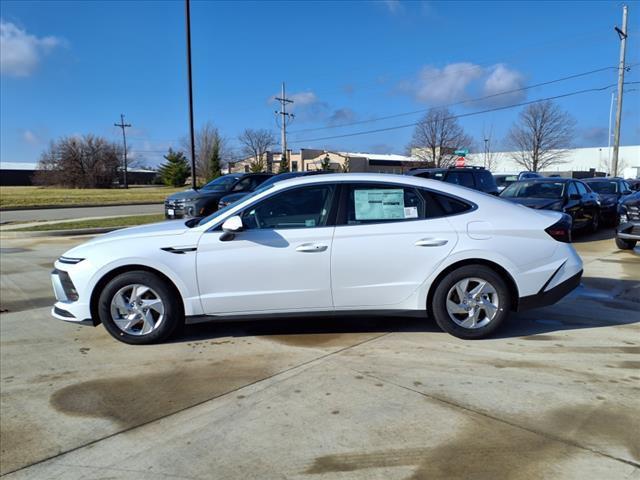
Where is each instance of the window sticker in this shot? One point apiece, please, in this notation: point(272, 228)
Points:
point(410, 212)
point(379, 204)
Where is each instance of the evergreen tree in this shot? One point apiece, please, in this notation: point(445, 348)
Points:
point(176, 170)
point(284, 165)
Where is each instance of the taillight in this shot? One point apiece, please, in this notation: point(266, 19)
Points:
point(561, 230)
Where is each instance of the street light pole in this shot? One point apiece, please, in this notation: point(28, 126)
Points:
point(623, 46)
point(191, 132)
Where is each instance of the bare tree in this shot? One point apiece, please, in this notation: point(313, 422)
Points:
point(541, 136)
point(80, 162)
point(437, 136)
point(209, 144)
point(490, 158)
point(255, 144)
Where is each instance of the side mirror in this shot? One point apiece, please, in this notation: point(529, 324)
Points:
point(233, 224)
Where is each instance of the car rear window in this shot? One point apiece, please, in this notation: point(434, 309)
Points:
point(464, 179)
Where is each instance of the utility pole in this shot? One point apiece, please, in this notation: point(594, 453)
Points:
point(123, 125)
point(286, 118)
point(191, 133)
point(623, 46)
point(486, 152)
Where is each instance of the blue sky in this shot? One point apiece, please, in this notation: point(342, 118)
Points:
point(72, 67)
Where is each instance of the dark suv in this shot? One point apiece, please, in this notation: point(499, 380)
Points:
point(477, 178)
point(202, 202)
point(628, 229)
point(612, 190)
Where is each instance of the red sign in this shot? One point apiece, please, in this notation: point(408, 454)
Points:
point(460, 162)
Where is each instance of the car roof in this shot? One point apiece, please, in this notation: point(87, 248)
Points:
point(600, 179)
point(548, 179)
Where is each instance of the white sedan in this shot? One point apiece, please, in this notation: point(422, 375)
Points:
point(325, 243)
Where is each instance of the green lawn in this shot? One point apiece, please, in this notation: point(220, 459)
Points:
point(98, 223)
point(12, 197)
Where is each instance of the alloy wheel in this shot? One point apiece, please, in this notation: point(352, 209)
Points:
point(137, 309)
point(472, 302)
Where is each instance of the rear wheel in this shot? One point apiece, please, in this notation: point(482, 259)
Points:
point(471, 302)
point(623, 244)
point(139, 308)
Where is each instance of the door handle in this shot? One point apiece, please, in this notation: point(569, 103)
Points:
point(311, 247)
point(431, 242)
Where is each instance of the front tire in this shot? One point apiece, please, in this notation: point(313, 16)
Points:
point(139, 308)
point(471, 302)
point(623, 244)
point(595, 222)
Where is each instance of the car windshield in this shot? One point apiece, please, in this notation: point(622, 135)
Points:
point(604, 187)
point(221, 184)
point(504, 180)
point(534, 190)
point(215, 214)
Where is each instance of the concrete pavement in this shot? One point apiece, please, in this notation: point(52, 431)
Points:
point(78, 212)
point(555, 395)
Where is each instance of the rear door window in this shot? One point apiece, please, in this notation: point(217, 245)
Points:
point(464, 179)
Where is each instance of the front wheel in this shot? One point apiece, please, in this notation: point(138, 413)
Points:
point(471, 302)
point(595, 222)
point(623, 244)
point(139, 308)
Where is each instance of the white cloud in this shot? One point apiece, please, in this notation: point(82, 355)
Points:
point(394, 6)
point(31, 138)
point(502, 79)
point(303, 99)
point(448, 84)
point(463, 81)
point(20, 52)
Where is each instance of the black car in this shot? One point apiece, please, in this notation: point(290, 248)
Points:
point(504, 180)
point(628, 230)
point(202, 202)
point(566, 195)
point(611, 191)
point(234, 197)
point(477, 178)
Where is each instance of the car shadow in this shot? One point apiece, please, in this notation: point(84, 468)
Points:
point(602, 234)
point(597, 303)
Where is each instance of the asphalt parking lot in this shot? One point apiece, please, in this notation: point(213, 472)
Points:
point(555, 395)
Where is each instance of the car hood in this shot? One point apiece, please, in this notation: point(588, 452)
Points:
point(189, 194)
point(537, 203)
point(632, 200)
point(608, 197)
point(234, 197)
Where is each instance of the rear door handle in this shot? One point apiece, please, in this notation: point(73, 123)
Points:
point(311, 248)
point(431, 242)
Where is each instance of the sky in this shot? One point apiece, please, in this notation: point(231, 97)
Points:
point(71, 68)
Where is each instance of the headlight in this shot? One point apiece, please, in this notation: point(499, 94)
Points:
point(623, 217)
point(70, 260)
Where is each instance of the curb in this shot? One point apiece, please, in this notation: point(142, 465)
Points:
point(83, 205)
point(57, 233)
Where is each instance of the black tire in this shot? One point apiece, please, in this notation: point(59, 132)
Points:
point(623, 244)
point(173, 311)
point(595, 222)
point(439, 308)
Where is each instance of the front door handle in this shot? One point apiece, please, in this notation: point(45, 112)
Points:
point(431, 242)
point(311, 248)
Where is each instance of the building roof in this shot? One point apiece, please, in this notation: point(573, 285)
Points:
point(18, 166)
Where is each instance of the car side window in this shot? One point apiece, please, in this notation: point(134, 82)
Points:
point(375, 203)
point(303, 207)
point(464, 179)
point(572, 190)
point(242, 185)
point(582, 189)
point(449, 205)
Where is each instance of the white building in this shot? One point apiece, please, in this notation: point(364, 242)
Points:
point(577, 159)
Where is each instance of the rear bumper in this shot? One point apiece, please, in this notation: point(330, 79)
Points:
point(551, 296)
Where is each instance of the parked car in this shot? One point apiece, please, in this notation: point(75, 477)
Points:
point(202, 202)
point(504, 180)
point(477, 178)
point(326, 243)
point(529, 175)
point(634, 184)
point(566, 195)
point(611, 190)
point(628, 229)
point(234, 197)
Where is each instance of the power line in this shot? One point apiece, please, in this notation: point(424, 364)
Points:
point(398, 127)
point(414, 112)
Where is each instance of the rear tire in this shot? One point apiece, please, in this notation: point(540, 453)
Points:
point(465, 308)
point(623, 244)
point(139, 308)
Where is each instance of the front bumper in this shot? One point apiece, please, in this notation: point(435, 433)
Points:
point(69, 306)
point(628, 231)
